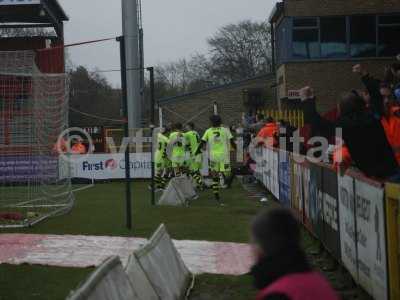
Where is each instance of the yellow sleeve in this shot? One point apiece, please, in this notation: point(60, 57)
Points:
point(206, 135)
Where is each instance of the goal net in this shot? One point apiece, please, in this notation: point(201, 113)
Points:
point(35, 180)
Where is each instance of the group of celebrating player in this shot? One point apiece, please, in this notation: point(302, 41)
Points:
point(180, 152)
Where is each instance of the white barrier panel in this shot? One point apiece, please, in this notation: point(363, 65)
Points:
point(274, 158)
point(107, 282)
point(178, 192)
point(258, 173)
point(267, 170)
point(140, 283)
point(371, 242)
point(185, 186)
point(347, 224)
point(164, 266)
point(297, 200)
point(110, 166)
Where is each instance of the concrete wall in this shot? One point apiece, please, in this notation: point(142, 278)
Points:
point(198, 107)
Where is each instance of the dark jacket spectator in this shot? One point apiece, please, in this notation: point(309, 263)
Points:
point(362, 132)
point(384, 107)
point(282, 271)
point(286, 132)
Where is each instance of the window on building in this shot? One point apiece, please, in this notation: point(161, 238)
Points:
point(305, 22)
point(333, 37)
point(254, 97)
point(306, 38)
point(363, 36)
point(389, 35)
point(282, 41)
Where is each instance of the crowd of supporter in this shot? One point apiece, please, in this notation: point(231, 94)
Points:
point(364, 132)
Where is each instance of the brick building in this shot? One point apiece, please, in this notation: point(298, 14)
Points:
point(317, 42)
point(232, 100)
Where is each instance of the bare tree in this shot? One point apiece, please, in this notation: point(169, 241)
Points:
point(183, 76)
point(239, 51)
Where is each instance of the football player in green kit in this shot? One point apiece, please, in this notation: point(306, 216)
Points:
point(194, 161)
point(177, 149)
point(162, 163)
point(219, 140)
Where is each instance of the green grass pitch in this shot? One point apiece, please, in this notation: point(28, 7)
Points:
point(100, 211)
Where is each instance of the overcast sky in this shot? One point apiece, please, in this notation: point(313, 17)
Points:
point(173, 28)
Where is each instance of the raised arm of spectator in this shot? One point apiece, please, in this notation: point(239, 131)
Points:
point(373, 86)
point(318, 124)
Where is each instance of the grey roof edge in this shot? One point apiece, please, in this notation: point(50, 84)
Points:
point(61, 12)
point(214, 88)
point(277, 11)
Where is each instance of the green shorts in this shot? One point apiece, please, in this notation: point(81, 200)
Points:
point(178, 161)
point(195, 163)
point(220, 167)
point(160, 161)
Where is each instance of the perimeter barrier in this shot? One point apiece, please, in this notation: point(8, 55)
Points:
point(356, 219)
point(156, 271)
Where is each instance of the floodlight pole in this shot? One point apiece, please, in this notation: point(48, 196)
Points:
point(152, 124)
point(130, 29)
point(128, 192)
point(152, 96)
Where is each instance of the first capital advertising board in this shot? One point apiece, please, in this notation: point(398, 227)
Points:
point(111, 166)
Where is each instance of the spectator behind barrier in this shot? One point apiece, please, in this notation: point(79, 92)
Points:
point(260, 122)
point(269, 133)
point(281, 270)
point(286, 132)
point(362, 133)
point(78, 147)
point(383, 103)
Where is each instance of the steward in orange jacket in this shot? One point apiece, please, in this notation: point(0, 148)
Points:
point(391, 124)
point(78, 148)
point(385, 109)
point(269, 134)
point(341, 159)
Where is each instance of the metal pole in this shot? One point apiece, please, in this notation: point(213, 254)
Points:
point(160, 116)
point(128, 192)
point(130, 29)
point(152, 124)
point(142, 84)
point(152, 96)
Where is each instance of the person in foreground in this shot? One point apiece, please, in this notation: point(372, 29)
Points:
point(281, 271)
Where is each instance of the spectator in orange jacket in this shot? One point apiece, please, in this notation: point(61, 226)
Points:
point(341, 159)
point(269, 133)
point(391, 124)
point(384, 107)
point(78, 147)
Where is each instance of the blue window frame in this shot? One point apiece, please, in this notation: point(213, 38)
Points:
point(388, 36)
point(342, 37)
point(306, 38)
point(363, 36)
point(333, 37)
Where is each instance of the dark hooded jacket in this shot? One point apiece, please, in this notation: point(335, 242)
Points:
point(364, 136)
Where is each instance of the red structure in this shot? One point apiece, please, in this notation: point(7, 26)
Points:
point(16, 90)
